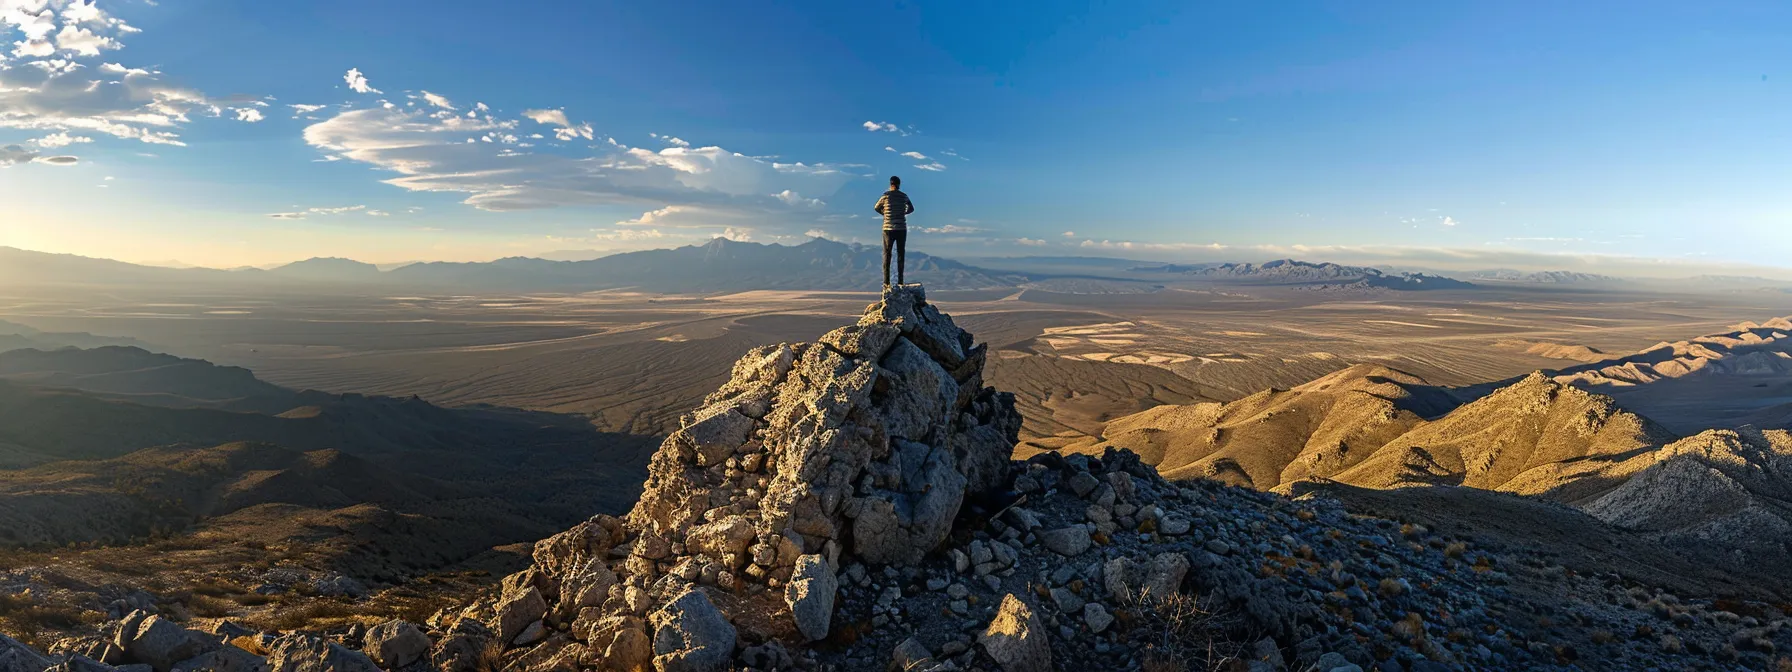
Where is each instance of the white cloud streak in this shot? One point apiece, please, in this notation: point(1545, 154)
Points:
point(357, 82)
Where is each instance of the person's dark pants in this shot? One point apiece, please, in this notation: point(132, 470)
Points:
point(900, 240)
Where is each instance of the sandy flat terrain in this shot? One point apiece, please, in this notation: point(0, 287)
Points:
point(634, 361)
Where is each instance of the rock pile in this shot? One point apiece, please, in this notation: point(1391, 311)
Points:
point(861, 447)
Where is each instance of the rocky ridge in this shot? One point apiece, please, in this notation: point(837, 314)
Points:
point(1748, 349)
point(849, 505)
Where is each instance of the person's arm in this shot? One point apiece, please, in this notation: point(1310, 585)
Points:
point(879, 208)
point(911, 206)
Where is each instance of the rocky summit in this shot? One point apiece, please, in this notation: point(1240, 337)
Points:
point(851, 504)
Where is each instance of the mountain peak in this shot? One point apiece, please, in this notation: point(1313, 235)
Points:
point(860, 447)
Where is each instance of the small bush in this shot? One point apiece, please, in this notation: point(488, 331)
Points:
point(491, 658)
point(213, 588)
point(307, 616)
point(32, 623)
point(1455, 549)
point(206, 606)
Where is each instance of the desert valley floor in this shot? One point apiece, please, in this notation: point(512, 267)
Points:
point(632, 362)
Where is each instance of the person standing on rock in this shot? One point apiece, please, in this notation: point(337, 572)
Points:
point(895, 207)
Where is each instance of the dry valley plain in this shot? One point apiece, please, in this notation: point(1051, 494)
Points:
point(632, 362)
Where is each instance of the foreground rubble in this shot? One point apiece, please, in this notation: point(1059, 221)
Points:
point(850, 505)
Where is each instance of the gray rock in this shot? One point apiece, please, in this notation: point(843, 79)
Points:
point(459, 649)
point(516, 610)
point(715, 437)
point(395, 644)
point(1164, 575)
point(732, 534)
point(910, 654)
point(1336, 662)
point(1016, 639)
point(1083, 483)
point(160, 643)
point(1066, 541)
point(224, 659)
point(305, 653)
point(74, 663)
point(1174, 525)
point(810, 595)
point(691, 635)
point(868, 341)
point(1067, 601)
point(532, 633)
point(1097, 617)
point(16, 657)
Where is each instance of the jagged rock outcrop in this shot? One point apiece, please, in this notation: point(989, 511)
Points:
point(1732, 488)
point(862, 446)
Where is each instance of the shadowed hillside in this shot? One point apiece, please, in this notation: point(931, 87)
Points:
point(115, 444)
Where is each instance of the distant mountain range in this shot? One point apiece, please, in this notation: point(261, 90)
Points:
point(1292, 272)
point(1541, 277)
point(720, 265)
point(723, 265)
point(14, 336)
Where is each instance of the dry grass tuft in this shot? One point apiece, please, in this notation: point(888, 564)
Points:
point(206, 606)
point(1189, 636)
point(311, 615)
point(491, 658)
point(34, 624)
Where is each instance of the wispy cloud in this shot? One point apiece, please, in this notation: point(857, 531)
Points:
point(58, 82)
point(934, 167)
point(886, 127)
point(437, 100)
point(486, 157)
point(951, 228)
point(322, 211)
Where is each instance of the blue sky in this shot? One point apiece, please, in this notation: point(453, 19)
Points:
point(1476, 134)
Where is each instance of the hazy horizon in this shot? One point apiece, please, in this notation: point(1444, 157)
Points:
point(1486, 136)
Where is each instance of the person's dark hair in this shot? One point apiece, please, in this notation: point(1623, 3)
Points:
point(895, 181)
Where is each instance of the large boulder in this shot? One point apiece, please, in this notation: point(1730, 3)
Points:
point(224, 659)
point(16, 657)
point(691, 635)
point(304, 653)
point(395, 644)
point(810, 595)
point(459, 649)
point(516, 611)
point(160, 643)
point(1016, 638)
